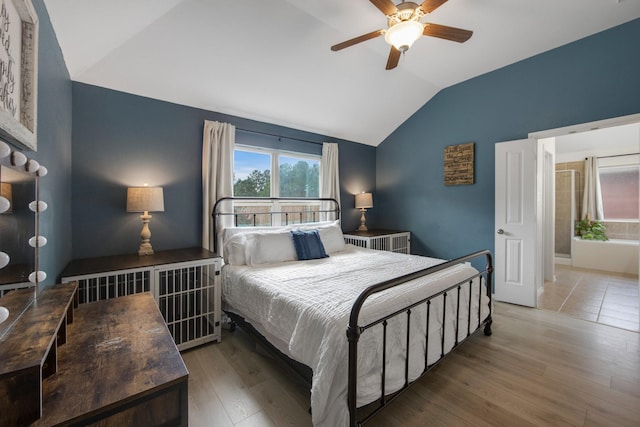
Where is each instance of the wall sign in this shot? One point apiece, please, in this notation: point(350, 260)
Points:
point(458, 164)
point(18, 73)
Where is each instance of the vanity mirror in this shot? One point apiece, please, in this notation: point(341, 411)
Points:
point(20, 208)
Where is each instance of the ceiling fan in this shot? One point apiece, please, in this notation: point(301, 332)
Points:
point(404, 28)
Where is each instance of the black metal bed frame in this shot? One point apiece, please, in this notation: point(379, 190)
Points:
point(354, 329)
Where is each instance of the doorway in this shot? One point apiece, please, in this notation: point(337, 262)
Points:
point(595, 295)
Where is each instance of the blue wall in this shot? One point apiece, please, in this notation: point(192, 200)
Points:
point(121, 140)
point(54, 148)
point(592, 79)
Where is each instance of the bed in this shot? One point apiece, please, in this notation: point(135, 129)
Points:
point(360, 325)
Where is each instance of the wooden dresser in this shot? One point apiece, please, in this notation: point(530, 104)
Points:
point(108, 363)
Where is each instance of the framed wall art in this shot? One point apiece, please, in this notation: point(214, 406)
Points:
point(18, 73)
point(459, 164)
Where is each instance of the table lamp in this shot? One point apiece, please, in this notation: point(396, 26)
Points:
point(363, 201)
point(145, 199)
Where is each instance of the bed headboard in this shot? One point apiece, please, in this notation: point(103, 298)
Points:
point(271, 212)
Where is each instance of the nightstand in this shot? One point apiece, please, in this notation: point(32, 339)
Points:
point(184, 282)
point(383, 240)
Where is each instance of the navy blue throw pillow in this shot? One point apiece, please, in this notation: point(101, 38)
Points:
point(308, 244)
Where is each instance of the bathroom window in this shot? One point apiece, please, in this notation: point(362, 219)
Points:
point(620, 190)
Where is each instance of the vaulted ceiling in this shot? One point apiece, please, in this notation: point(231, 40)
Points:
point(270, 60)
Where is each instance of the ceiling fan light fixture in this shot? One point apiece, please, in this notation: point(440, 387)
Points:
point(403, 34)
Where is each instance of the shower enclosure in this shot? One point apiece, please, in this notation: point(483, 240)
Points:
point(567, 209)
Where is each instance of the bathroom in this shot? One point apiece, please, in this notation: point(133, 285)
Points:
point(597, 280)
point(616, 150)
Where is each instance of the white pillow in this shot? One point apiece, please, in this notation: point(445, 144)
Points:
point(234, 250)
point(318, 225)
point(229, 233)
point(332, 239)
point(265, 248)
point(257, 245)
point(330, 234)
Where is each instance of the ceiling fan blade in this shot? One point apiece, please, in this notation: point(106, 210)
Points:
point(429, 6)
point(357, 40)
point(448, 33)
point(394, 57)
point(386, 6)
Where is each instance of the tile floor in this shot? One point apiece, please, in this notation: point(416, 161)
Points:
point(607, 298)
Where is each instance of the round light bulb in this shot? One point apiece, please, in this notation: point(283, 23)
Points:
point(37, 241)
point(4, 259)
point(18, 159)
point(4, 204)
point(37, 276)
point(32, 166)
point(40, 206)
point(5, 150)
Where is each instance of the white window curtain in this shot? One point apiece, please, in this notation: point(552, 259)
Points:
point(217, 172)
point(329, 175)
point(592, 197)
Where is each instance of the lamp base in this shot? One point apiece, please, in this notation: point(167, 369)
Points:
point(145, 249)
point(362, 227)
point(145, 235)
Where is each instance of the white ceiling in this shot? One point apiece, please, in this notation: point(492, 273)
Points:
point(269, 60)
point(610, 141)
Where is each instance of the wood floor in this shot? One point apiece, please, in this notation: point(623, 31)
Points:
point(538, 368)
point(598, 296)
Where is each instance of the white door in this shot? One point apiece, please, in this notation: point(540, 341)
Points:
point(516, 264)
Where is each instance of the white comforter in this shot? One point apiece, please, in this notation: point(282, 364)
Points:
point(305, 305)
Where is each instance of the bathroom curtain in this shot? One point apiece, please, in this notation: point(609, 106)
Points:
point(592, 196)
point(218, 143)
point(329, 176)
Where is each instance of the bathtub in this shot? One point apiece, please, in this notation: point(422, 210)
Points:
point(620, 256)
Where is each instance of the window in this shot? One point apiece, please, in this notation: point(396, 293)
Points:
point(620, 190)
point(298, 177)
point(619, 176)
point(261, 172)
point(251, 173)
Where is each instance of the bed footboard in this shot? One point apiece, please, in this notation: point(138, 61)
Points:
point(354, 330)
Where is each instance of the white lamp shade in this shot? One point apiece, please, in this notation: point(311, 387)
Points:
point(403, 34)
point(145, 199)
point(364, 200)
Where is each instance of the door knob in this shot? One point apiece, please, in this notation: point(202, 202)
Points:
point(500, 231)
